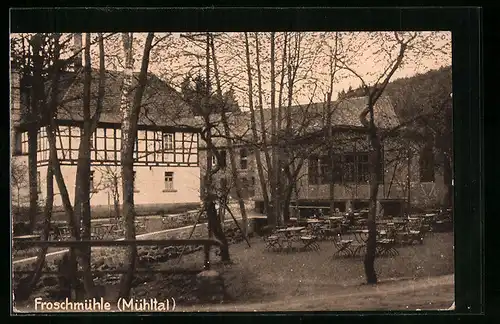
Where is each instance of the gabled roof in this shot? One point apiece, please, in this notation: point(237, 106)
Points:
point(344, 112)
point(309, 118)
point(161, 104)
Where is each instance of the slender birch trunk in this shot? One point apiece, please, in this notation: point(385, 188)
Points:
point(253, 126)
point(263, 127)
point(229, 144)
point(130, 116)
point(275, 218)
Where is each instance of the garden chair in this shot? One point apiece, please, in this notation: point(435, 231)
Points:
point(357, 249)
point(342, 246)
point(329, 232)
point(273, 243)
point(310, 242)
point(386, 247)
point(416, 236)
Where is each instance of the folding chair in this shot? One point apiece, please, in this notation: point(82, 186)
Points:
point(342, 246)
point(357, 249)
point(273, 242)
point(310, 242)
point(416, 236)
point(386, 247)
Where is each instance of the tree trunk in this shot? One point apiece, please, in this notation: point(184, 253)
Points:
point(261, 107)
point(275, 217)
point(75, 229)
point(287, 202)
point(130, 116)
point(214, 224)
point(82, 183)
point(32, 176)
point(448, 185)
point(51, 111)
point(375, 160)
point(229, 144)
point(37, 96)
point(127, 163)
point(27, 286)
point(253, 126)
point(218, 232)
point(265, 144)
point(371, 244)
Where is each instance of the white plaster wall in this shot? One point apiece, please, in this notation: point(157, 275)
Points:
point(150, 185)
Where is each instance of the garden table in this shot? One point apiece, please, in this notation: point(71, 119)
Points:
point(290, 233)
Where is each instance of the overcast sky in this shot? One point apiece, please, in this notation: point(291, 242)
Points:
point(366, 54)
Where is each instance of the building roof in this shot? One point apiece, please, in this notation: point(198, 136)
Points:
point(161, 104)
point(344, 112)
point(310, 118)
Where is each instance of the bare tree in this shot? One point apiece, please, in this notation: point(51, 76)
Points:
point(274, 179)
point(130, 115)
point(367, 119)
point(253, 125)
point(229, 142)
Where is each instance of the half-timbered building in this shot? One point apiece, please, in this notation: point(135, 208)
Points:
point(166, 168)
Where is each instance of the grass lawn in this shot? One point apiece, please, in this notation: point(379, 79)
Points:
point(258, 276)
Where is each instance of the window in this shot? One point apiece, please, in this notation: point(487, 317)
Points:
point(44, 145)
point(426, 164)
point(38, 182)
point(168, 141)
point(349, 168)
point(106, 144)
point(169, 181)
point(356, 168)
point(337, 168)
point(312, 170)
point(17, 143)
point(243, 158)
point(21, 143)
point(324, 169)
point(222, 159)
point(362, 168)
point(319, 169)
point(91, 179)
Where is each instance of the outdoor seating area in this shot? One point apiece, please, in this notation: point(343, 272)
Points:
point(111, 230)
point(349, 233)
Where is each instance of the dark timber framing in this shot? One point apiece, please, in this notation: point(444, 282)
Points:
point(106, 143)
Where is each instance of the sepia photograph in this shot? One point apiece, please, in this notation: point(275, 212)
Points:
point(232, 171)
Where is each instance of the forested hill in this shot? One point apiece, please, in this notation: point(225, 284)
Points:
point(419, 94)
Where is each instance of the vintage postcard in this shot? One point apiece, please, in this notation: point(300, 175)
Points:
point(232, 171)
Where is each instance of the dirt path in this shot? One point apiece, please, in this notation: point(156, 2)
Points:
point(425, 294)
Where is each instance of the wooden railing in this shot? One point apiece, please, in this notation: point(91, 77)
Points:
point(206, 243)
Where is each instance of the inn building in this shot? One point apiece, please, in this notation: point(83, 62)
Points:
point(166, 165)
point(405, 175)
